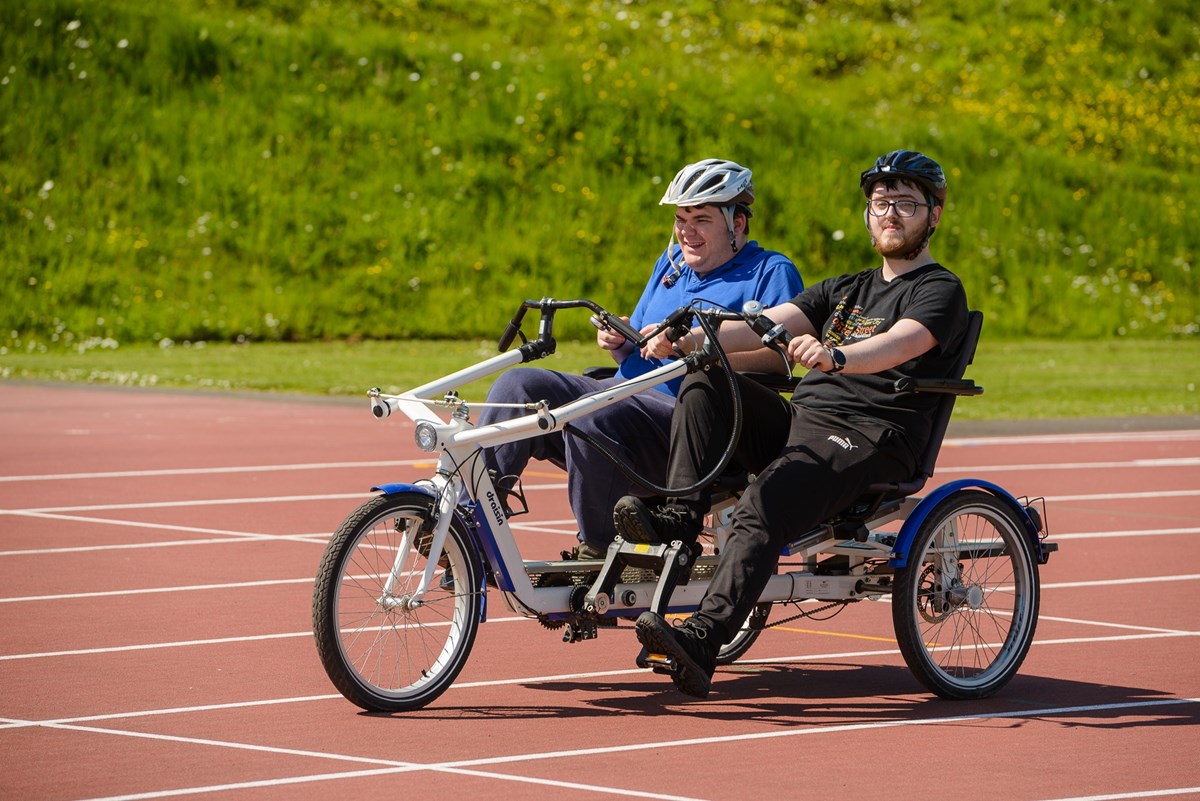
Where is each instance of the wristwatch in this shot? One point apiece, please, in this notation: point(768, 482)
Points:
point(838, 358)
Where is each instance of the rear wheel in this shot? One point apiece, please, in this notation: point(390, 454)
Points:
point(966, 605)
point(736, 648)
point(382, 649)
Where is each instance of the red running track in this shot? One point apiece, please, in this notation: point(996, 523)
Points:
point(156, 560)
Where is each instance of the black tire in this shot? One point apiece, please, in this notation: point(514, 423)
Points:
point(966, 637)
point(397, 658)
point(736, 648)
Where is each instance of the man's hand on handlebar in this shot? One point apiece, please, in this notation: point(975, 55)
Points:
point(807, 351)
point(608, 339)
point(659, 346)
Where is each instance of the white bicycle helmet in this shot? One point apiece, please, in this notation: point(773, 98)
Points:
point(711, 182)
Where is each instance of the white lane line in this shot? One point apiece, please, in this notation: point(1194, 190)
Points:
point(1132, 794)
point(1061, 585)
point(108, 507)
point(320, 538)
point(233, 585)
point(1124, 496)
point(1153, 633)
point(557, 678)
point(1108, 625)
point(565, 527)
point(317, 538)
point(208, 471)
point(393, 766)
point(118, 649)
point(817, 730)
point(308, 580)
point(950, 442)
point(1144, 532)
point(234, 539)
point(153, 646)
point(233, 536)
point(628, 748)
point(1104, 496)
point(358, 774)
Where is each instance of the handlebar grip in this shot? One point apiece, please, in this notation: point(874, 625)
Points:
point(777, 333)
point(763, 325)
point(608, 320)
point(511, 330)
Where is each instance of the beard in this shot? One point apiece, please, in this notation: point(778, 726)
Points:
point(907, 247)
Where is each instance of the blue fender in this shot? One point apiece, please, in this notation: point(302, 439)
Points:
point(468, 526)
point(909, 530)
point(392, 489)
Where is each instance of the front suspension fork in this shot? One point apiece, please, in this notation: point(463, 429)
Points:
point(447, 489)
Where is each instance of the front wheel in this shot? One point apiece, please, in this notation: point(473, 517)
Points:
point(382, 649)
point(966, 605)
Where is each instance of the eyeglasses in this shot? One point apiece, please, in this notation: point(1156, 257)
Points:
point(905, 208)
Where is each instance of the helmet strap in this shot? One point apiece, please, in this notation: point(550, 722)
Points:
point(670, 279)
point(728, 212)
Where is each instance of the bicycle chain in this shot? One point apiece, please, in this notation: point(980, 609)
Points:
point(810, 613)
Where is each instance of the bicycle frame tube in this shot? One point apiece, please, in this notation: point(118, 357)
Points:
point(554, 419)
point(460, 468)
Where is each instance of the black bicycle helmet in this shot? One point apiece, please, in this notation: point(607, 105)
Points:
point(907, 165)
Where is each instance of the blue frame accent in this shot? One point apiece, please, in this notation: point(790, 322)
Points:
point(487, 544)
point(909, 530)
point(392, 489)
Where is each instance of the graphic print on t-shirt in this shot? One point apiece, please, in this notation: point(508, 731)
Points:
point(848, 324)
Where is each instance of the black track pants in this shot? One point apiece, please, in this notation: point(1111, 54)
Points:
point(808, 465)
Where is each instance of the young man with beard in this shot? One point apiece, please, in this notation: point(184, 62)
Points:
point(843, 429)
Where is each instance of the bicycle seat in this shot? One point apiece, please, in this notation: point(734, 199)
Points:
point(878, 497)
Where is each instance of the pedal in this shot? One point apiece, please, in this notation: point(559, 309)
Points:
point(659, 663)
point(579, 630)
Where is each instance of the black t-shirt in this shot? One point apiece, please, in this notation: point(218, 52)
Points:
point(851, 308)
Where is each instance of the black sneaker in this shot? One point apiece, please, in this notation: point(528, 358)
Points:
point(585, 552)
point(640, 523)
point(690, 655)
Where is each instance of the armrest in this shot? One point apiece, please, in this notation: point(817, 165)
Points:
point(948, 386)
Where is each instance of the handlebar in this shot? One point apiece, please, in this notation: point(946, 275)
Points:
point(677, 324)
point(548, 307)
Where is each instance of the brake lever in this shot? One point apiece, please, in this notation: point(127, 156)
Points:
point(772, 334)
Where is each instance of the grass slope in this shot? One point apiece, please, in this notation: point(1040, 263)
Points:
point(224, 170)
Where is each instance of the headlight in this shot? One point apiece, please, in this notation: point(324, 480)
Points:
point(426, 436)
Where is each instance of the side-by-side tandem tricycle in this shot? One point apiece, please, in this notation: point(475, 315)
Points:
point(403, 584)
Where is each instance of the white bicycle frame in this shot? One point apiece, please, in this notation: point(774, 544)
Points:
point(459, 443)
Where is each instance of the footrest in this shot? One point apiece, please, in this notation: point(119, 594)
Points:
point(673, 561)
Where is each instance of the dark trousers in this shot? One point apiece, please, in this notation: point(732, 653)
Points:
point(635, 429)
point(808, 465)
